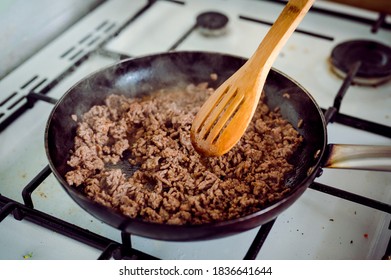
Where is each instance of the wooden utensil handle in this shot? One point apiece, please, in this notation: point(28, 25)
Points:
point(278, 34)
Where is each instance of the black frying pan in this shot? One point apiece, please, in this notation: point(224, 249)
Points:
point(146, 74)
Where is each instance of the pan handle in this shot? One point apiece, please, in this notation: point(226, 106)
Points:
point(363, 157)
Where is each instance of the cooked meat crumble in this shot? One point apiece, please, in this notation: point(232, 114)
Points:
point(163, 179)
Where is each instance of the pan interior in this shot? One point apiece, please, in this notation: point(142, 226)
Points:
point(143, 75)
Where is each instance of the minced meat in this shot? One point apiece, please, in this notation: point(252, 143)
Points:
point(135, 155)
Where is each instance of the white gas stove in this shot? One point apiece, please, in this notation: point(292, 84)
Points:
point(344, 215)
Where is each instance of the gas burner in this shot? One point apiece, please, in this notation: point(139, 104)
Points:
point(212, 23)
point(375, 59)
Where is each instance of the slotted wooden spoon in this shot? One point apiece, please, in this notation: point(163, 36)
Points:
point(224, 117)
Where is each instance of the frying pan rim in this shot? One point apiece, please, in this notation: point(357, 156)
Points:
point(292, 196)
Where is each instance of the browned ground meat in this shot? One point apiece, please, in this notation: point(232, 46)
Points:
point(172, 183)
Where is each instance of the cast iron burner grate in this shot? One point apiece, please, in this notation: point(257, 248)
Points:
point(374, 59)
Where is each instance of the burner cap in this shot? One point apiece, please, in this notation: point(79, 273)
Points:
point(375, 61)
point(212, 23)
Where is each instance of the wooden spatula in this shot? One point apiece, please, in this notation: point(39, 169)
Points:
point(224, 117)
